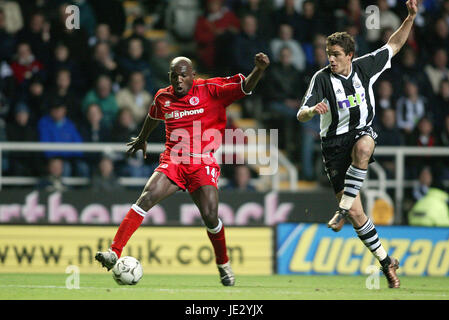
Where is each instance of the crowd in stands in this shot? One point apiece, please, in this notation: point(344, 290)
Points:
point(94, 84)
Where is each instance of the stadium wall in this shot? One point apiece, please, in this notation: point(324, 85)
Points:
point(103, 208)
point(161, 250)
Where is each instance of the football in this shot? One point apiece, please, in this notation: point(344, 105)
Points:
point(127, 271)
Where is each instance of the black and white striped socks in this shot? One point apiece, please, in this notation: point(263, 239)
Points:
point(353, 183)
point(368, 234)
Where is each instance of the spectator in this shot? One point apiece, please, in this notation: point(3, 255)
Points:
point(61, 60)
point(6, 39)
point(88, 20)
point(103, 62)
point(135, 61)
point(361, 46)
point(437, 70)
point(281, 90)
point(384, 95)
point(76, 40)
point(387, 19)
point(388, 132)
point(181, 17)
point(388, 135)
point(104, 178)
point(13, 16)
point(25, 65)
point(351, 14)
point(262, 11)
point(112, 13)
point(310, 21)
point(241, 180)
point(53, 182)
point(438, 37)
point(217, 25)
point(102, 34)
point(247, 44)
point(410, 108)
point(135, 97)
point(409, 68)
point(286, 39)
point(160, 62)
point(94, 130)
point(441, 106)
point(21, 130)
point(103, 96)
point(37, 35)
point(432, 210)
point(287, 14)
point(35, 99)
point(125, 128)
point(56, 127)
point(138, 32)
point(62, 93)
point(421, 187)
point(424, 135)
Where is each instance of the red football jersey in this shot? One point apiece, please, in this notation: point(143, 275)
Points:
point(195, 123)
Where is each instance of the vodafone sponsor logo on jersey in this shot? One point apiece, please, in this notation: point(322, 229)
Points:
point(180, 114)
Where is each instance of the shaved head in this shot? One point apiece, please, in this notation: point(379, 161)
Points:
point(181, 75)
point(181, 60)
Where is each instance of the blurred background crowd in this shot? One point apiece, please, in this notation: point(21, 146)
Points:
point(95, 84)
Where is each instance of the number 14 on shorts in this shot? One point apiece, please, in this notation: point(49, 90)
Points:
point(213, 173)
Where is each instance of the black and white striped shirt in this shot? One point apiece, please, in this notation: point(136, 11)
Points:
point(350, 99)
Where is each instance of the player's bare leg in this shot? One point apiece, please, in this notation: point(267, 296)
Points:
point(157, 188)
point(206, 199)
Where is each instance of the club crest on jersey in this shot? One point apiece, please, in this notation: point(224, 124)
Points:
point(194, 101)
point(356, 83)
point(352, 101)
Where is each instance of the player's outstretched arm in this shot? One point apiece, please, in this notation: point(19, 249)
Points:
point(140, 142)
point(307, 114)
point(398, 39)
point(261, 62)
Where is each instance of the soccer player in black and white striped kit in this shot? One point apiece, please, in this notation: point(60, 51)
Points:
point(342, 94)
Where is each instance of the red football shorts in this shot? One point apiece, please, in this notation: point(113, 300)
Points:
point(190, 176)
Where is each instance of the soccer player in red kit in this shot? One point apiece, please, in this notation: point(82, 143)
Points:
point(194, 111)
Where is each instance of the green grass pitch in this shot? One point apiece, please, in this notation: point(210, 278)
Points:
point(170, 287)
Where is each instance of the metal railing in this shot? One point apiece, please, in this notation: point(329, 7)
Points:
point(399, 183)
point(242, 150)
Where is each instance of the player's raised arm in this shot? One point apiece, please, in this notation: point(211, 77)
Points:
point(398, 38)
point(140, 142)
point(261, 62)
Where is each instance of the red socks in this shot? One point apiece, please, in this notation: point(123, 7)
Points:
point(129, 225)
point(134, 218)
point(217, 237)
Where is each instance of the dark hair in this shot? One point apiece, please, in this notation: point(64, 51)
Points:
point(342, 39)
